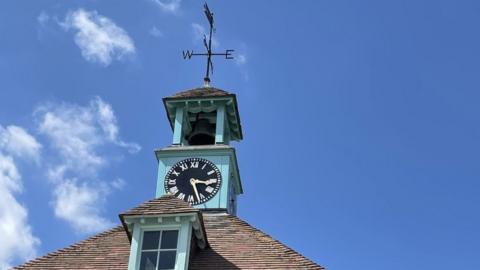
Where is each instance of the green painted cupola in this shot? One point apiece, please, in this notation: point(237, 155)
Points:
point(200, 166)
point(203, 116)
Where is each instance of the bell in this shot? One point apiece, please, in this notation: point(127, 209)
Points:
point(203, 133)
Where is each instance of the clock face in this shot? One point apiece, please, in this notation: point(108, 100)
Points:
point(194, 180)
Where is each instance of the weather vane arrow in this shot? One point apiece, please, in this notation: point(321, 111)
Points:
point(188, 54)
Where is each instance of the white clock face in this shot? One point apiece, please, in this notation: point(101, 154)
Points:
point(194, 180)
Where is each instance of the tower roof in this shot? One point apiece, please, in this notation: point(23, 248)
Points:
point(201, 92)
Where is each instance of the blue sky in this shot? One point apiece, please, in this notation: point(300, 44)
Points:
point(360, 121)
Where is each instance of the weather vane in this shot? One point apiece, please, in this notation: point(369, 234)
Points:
point(208, 45)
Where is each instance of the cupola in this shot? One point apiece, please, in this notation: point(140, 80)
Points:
point(203, 116)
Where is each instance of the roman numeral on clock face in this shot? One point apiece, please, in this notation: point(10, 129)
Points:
point(184, 167)
point(211, 181)
point(194, 164)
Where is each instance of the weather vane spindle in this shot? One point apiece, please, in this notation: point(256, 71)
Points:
point(208, 45)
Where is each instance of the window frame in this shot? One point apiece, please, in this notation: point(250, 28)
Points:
point(153, 228)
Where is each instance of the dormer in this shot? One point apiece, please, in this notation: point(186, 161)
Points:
point(162, 232)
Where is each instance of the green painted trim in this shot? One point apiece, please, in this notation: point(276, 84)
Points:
point(177, 132)
point(133, 260)
point(183, 246)
point(220, 124)
point(223, 156)
point(160, 187)
point(183, 152)
point(231, 111)
point(184, 228)
point(223, 193)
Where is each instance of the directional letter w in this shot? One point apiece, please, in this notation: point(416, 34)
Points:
point(187, 54)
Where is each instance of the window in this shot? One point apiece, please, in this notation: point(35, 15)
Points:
point(159, 250)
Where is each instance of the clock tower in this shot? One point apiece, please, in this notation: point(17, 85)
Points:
point(200, 166)
point(192, 222)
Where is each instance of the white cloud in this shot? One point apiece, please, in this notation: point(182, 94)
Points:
point(99, 38)
point(240, 59)
point(155, 32)
point(170, 6)
point(78, 204)
point(79, 134)
point(43, 18)
point(199, 33)
point(72, 131)
point(17, 239)
point(17, 142)
point(108, 123)
point(118, 183)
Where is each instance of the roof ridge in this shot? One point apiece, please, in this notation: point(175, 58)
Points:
point(171, 204)
point(200, 92)
point(73, 246)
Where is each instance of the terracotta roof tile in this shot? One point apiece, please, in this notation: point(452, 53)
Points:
point(107, 250)
point(233, 244)
point(167, 204)
point(201, 92)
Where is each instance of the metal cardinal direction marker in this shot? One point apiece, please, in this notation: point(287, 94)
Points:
point(188, 54)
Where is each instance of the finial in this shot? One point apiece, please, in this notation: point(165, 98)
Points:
point(208, 46)
point(206, 82)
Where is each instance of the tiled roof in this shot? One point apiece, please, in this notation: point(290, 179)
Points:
point(201, 92)
point(108, 250)
point(234, 244)
point(167, 204)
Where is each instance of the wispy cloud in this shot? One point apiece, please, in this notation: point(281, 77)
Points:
point(43, 18)
point(80, 134)
point(169, 6)
point(155, 32)
point(18, 241)
point(16, 141)
point(108, 123)
point(240, 59)
point(98, 37)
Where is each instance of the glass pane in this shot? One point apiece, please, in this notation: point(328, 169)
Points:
point(148, 261)
point(169, 239)
point(150, 240)
point(167, 260)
